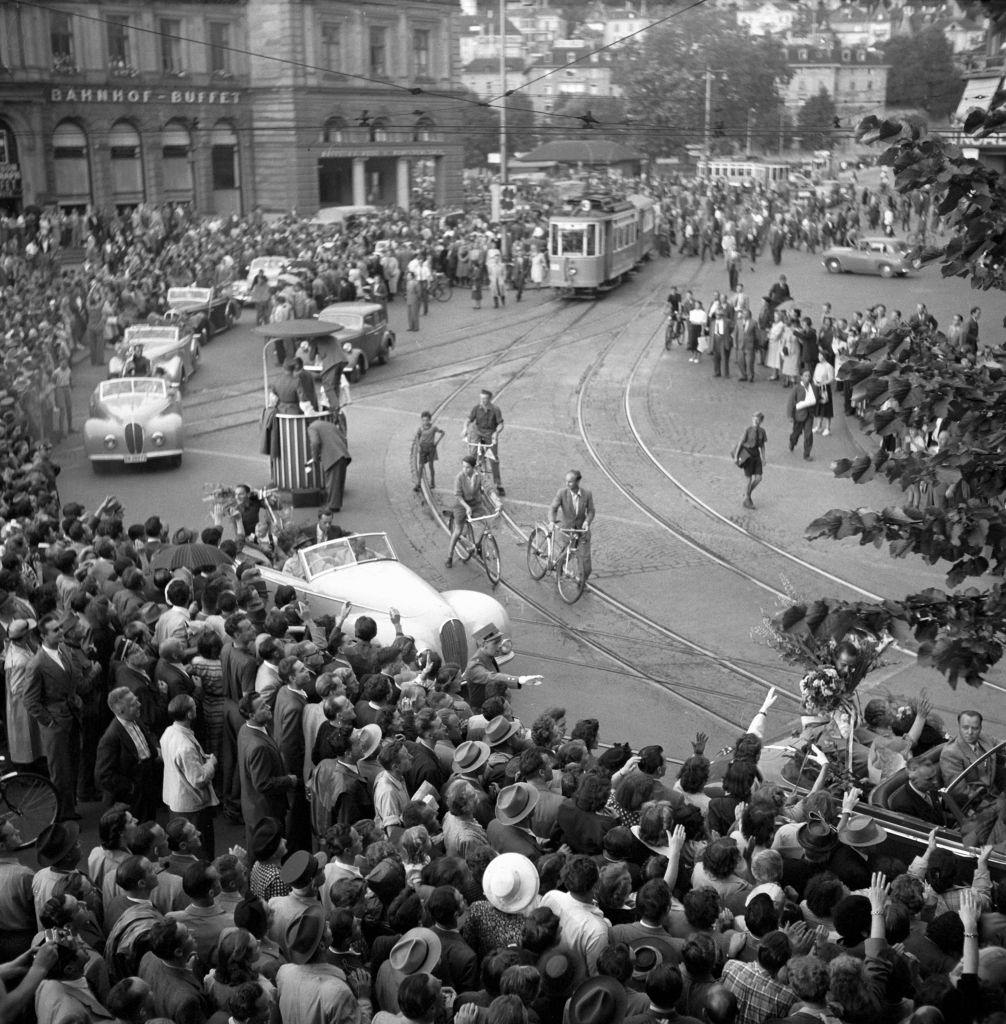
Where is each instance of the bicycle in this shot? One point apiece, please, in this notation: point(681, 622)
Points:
point(441, 288)
point(568, 568)
point(485, 546)
point(674, 331)
point(484, 458)
point(29, 801)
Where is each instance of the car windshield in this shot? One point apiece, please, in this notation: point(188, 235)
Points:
point(132, 386)
point(351, 320)
point(346, 551)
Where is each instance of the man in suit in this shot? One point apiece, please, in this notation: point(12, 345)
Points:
point(50, 698)
point(510, 829)
point(264, 782)
point(573, 509)
point(126, 767)
point(426, 765)
point(326, 528)
point(918, 796)
point(802, 403)
point(170, 669)
point(967, 748)
point(330, 455)
point(746, 343)
point(458, 966)
point(288, 732)
point(483, 668)
point(969, 343)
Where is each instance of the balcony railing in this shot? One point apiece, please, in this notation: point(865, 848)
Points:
point(122, 69)
point(64, 64)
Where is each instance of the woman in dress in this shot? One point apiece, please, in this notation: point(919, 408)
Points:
point(539, 268)
point(824, 378)
point(792, 354)
point(510, 886)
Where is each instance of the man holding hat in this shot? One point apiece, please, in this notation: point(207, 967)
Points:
point(483, 667)
point(510, 830)
point(311, 990)
point(416, 952)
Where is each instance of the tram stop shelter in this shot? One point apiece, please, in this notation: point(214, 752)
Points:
point(285, 436)
point(585, 153)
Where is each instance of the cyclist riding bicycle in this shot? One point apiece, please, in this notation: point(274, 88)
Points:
point(468, 502)
point(484, 426)
point(573, 509)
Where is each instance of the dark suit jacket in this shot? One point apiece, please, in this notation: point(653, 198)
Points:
point(239, 669)
point(458, 966)
point(178, 680)
point(510, 839)
point(264, 779)
point(906, 801)
point(425, 768)
point(50, 693)
point(562, 508)
point(288, 729)
point(116, 766)
point(328, 443)
point(582, 830)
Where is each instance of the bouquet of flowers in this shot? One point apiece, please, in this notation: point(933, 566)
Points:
point(823, 690)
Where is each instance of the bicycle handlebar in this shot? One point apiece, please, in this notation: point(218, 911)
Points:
point(490, 515)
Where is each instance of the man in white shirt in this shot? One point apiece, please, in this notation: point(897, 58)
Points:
point(390, 792)
point(582, 926)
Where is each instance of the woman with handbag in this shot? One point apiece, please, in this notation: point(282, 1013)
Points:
point(750, 455)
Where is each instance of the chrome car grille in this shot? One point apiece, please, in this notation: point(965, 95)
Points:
point(134, 438)
point(454, 642)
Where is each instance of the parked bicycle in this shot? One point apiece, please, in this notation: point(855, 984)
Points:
point(28, 800)
point(568, 567)
point(484, 545)
point(441, 288)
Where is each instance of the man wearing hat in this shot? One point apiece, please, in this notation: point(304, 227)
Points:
point(852, 862)
point(599, 1000)
point(469, 760)
point(510, 829)
point(58, 853)
point(483, 667)
point(310, 989)
point(23, 738)
point(416, 952)
point(304, 874)
point(50, 698)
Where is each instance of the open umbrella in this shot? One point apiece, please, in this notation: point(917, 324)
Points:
point(188, 556)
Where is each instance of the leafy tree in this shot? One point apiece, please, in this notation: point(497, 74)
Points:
point(912, 379)
point(663, 78)
point(815, 121)
point(609, 110)
point(922, 73)
point(481, 125)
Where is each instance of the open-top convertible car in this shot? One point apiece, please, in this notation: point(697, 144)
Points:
point(887, 257)
point(171, 349)
point(365, 327)
point(364, 570)
point(133, 420)
point(270, 266)
point(966, 824)
point(207, 311)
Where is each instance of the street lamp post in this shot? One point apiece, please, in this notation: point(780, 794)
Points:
point(504, 177)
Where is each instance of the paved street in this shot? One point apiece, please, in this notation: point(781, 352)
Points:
point(588, 385)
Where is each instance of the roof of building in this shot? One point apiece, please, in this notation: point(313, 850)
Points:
point(582, 151)
point(491, 65)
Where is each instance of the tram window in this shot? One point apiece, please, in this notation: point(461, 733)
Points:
point(591, 233)
point(571, 241)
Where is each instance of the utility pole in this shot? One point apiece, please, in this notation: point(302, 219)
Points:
point(747, 144)
point(782, 121)
point(504, 171)
point(709, 110)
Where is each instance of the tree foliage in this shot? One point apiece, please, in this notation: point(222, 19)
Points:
point(482, 125)
point(913, 383)
point(815, 121)
point(922, 73)
point(664, 83)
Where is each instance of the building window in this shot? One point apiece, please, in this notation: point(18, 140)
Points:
point(421, 51)
point(220, 42)
point(378, 50)
point(331, 47)
point(334, 130)
point(117, 30)
point(61, 39)
point(802, 55)
point(171, 46)
point(846, 56)
point(379, 130)
point(224, 158)
point(7, 155)
point(424, 130)
point(72, 171)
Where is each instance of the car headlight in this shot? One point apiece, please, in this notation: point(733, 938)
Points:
point(158, 439)
point(506, 646)
point(572, 271)
point(109, 441)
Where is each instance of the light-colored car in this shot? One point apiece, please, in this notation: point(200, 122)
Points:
point(271, 266)
point(887, 257)
point(365, 327)
point(338, 216)
point(133, 420)
point(364, 570)
point(207, 311)
point(172, 350)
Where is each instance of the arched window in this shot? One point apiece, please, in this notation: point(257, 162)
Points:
point(8, 146)
point(224, 157)
point(72, 167)
point(334, 130)
point(424, 130)
point(379, 130)
point(176, 145)
point(125, 152)
point(10, 173)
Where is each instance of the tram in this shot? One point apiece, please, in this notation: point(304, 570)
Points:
point(596, 241)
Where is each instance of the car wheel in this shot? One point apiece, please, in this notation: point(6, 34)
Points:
point(99, 467)
point(886, 270)
point(231, 316)
point(174, 462)
point(834, 266)
point(382, 355)
point(363, 366)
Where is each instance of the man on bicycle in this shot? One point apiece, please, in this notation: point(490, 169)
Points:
point(467, 502)
point(573, 509)
point(484, 426)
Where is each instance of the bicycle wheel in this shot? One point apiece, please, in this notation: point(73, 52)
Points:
point(537, 553)
point(569, 577)
point(29, 801)
point(443, 291)
point(466, 542)
point(669, 335)
point(491, 558)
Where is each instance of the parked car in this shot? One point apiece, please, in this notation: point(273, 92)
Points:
point(365, 327)
point(271, 266)
point(907, 835)
point(133, 420)
point(364, 570)
point(172, 349)
point(207, 311)
point(887, 257)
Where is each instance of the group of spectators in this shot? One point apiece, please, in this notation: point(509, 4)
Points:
point(413, 852)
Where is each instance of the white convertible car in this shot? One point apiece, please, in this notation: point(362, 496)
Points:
point(364, 570)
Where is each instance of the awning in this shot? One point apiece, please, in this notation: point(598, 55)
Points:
point(978, 92)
